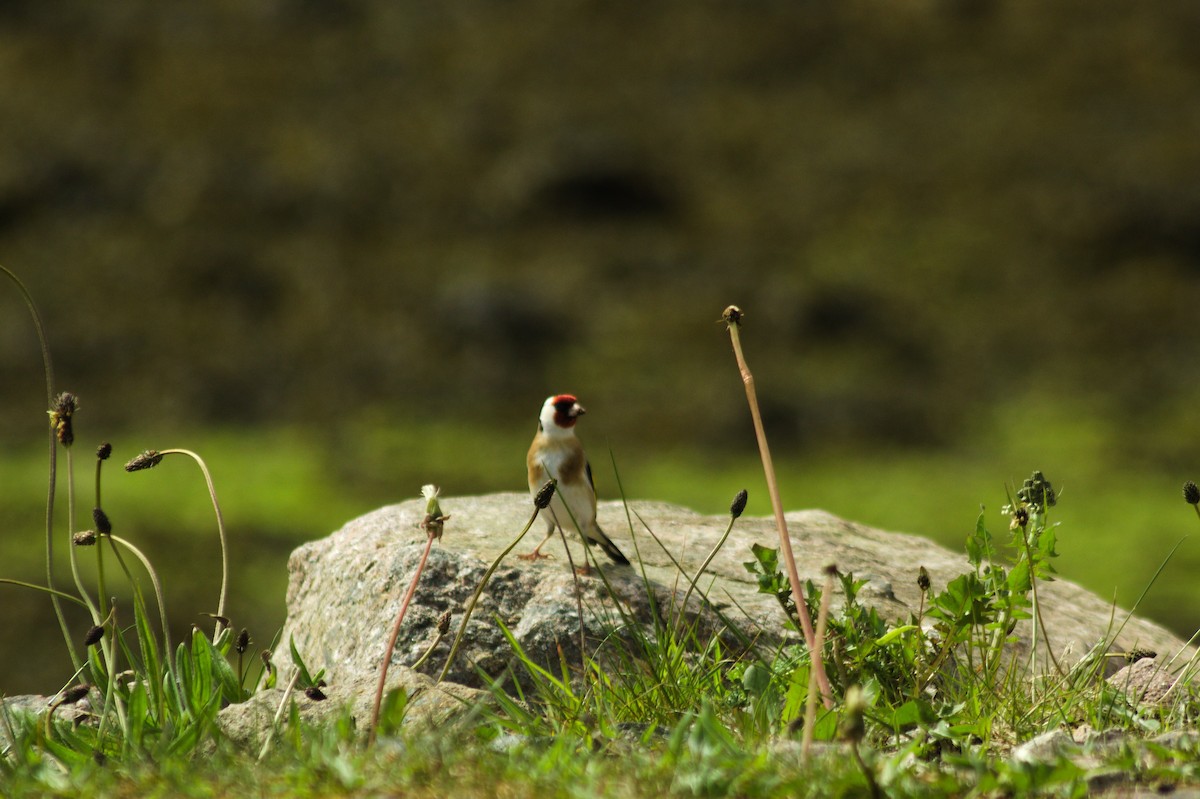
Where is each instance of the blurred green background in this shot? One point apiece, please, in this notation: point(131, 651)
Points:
point(342, 248)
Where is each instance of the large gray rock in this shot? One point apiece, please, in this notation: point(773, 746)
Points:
point(345, 590)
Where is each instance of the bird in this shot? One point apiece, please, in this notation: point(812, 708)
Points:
point(557, 453)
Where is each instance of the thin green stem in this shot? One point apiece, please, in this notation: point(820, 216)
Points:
point(692, 582)
point(96, 615)
point(1037, 612)
point(48, 372)
point(868, 772)
point(111, 699)
point(53, 592)
point(158, 593)
point(437, 639)
point(575, 575)
point(287, 693)
point(101, 591)
point(578, 593)
point(212, 493)
point(462, 628)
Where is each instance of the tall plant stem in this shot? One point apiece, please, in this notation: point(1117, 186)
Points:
point(48, 371)
point(96, 615)
point(733, 318)
point(391, 645)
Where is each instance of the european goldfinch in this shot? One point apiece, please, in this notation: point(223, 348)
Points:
point(557, 453)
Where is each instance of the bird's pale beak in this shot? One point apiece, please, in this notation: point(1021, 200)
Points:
point(577, 410)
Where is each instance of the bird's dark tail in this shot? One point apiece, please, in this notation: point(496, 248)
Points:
point(610, 548)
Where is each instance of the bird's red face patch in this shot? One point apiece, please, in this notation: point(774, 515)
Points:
point(566, 410)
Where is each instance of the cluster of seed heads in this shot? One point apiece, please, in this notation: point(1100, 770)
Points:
point(1037, 492)
point(1134, 655)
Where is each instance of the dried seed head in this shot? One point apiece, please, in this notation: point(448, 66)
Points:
point(739, 504)
point(147, 460)
point(923, 579)
point(103, 525)
point(1134, 655)
point(545, 494)
point(266, 659)
point(314, 693)
point(830, 570)
point(1020, 517)
point(86, 538)
point(1191, 493)
point(65, 405)
point(103, 451)
point(94, 635)
point(732, 315)
point(73, 694)
point(243, 641)
point(443, 625)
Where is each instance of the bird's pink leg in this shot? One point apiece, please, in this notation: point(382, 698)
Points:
point(536, 554)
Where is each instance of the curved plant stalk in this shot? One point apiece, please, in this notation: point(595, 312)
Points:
point(48, 371)
point(733, 319)
point(442, 628)
point(735, 510)
point(539, 503)
point(158, 593)
point(140, 608)
point(152, 458)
